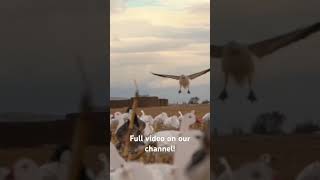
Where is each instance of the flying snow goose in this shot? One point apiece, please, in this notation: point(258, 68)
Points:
point(184, 80)
point(237, 59)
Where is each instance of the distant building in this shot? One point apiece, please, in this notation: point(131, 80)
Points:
point(60, 131)
point(144, 101)
point(116, 102)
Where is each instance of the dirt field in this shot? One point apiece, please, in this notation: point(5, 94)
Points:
point(200, 109)
point(290, 153)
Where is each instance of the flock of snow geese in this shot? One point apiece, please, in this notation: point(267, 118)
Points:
point(261, 169)
point(57, 168)
point(191, 161)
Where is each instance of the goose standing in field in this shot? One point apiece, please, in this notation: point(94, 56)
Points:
point(116, 161)
point(256, 170)
point(131, 171)
point(198, 167)
point(148, 121)
point(146, 118)
point(102, 175)
point(312, 171)
point(186, 149)
point(159, 120)
point(206, 118)
point(172, 122)
point(25, 169)
point(237, 59)
point(58, 167)
point(117, 120)
point(180, 115)
point(184, 80)
point(188, 119)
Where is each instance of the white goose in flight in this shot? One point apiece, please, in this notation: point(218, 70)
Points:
point(237, 59)
point(184, 81)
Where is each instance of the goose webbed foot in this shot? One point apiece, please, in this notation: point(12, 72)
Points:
point(252, 97)
point(188, 92)
point(179, 91)
point(223, 95)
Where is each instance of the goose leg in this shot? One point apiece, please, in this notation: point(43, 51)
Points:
point(224, 95)
point(179, 90)
point(251, 96)
point(188, 90)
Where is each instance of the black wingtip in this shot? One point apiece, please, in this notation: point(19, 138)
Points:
point(317, 25)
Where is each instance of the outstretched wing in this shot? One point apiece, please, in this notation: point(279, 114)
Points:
point(195, 75)
point(268, 46)
point(167, 76)
point(216, 51)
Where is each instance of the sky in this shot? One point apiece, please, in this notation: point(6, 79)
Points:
point(161, 36)
point(39, 42)
point(287, 80)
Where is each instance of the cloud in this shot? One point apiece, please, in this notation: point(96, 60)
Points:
point(118, 6)
point(169, 37)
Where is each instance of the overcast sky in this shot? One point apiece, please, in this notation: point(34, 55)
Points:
point(162, 36)
point(287, 80)
point(39, 42)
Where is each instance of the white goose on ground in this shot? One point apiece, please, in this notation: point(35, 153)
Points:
point(59, 165)
point(172, 122)
point(187, 120)
point(185, 149)
point(257, 170)
point(103, 174)
point(116, 161)
point(131, 171)
point(312, 171)
point(159, 120)
point(206, 118)
point(26, 169)
point(146, 118)
point(148, 130)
